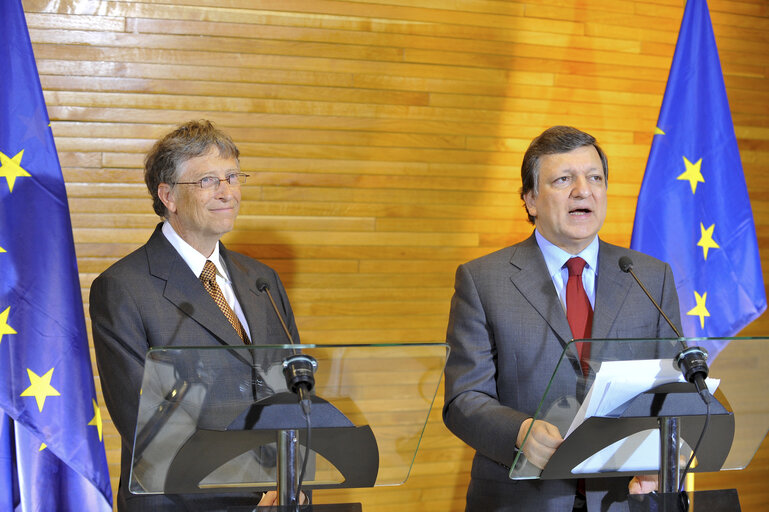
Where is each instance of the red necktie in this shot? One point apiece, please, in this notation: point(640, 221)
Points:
point(578, 310)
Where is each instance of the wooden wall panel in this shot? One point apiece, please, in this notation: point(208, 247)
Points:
point(384, 139)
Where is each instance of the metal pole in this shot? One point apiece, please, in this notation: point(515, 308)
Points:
point(287, 462)
point(670, 474)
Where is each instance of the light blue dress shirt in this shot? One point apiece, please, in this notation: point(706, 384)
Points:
point(555, 259)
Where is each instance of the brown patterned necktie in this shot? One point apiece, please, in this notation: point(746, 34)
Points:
point(208, 277)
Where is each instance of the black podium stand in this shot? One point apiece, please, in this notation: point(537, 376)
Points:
point(632, 414)
point(221, 420)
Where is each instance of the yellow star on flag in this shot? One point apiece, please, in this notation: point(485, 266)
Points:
point(43, 446)
point(706, 240)
point(10, 168)
point(700, 310)
point(96, 420)
point(4, 327)
point(658, 131)
point(40, 387)
point(692, 173)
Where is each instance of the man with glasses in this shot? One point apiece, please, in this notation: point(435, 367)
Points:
point(181, 288)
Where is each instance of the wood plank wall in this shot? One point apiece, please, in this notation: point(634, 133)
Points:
point(384, 138)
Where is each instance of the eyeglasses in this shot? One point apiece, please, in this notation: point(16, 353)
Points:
point(213, 182)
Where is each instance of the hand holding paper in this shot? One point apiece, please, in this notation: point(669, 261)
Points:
point(542, 442)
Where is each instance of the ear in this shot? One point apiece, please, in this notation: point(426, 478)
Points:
point(531, 203)
point(167, 196)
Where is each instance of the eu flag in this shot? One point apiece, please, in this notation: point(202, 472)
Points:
point(693, 209)
point(51, 449)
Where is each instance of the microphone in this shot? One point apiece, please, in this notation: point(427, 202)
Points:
point(298, 369)
point(692, 361)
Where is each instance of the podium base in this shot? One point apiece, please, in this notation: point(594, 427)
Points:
point(336, 507)
point(724, 500)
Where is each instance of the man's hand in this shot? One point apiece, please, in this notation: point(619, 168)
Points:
point(643, 484)
point(542, 442)
point(270, 499)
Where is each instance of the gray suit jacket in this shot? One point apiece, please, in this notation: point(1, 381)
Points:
point(151, 298)
point(507, 329)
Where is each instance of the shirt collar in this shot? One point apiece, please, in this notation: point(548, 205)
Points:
point(190, 255)
point(555, 257)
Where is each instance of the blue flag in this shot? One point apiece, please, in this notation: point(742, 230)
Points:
point(693, 209)
point(51, 449)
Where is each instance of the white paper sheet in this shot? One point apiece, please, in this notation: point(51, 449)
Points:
point(615, 383)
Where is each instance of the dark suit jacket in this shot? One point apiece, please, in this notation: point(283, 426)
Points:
point(507, 329)
point(151, 298)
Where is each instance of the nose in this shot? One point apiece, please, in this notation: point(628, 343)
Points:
point(580, 187)
point(224, 190)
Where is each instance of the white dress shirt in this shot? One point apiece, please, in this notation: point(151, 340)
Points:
point(197, 261)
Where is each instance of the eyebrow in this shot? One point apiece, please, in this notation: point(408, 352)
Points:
point(573, 170)
point(210, 172)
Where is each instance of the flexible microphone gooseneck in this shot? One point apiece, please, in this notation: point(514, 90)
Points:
point(298, 369)
point(692, 361)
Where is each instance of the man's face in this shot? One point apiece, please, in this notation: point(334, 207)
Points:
point(201, 216)
point(570, 206)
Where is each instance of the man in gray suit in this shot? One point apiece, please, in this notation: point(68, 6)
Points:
point(154, 297)
point(508, 326)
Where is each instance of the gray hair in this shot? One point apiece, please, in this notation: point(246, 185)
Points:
point(189, 140)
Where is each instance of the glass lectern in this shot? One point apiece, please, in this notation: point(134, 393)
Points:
point(221, 419)
point(628, 411)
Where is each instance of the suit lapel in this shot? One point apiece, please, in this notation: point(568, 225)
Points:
point(611, 289)
point(531, 277)
point(185, 291)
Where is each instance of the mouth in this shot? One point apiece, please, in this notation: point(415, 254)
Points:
point(580, 212)
point(226, 209)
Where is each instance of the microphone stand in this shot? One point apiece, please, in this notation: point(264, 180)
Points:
point(298, 370)
point(692, 361)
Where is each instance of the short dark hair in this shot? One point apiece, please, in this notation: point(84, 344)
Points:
point(187, 141)
point(554, 140)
